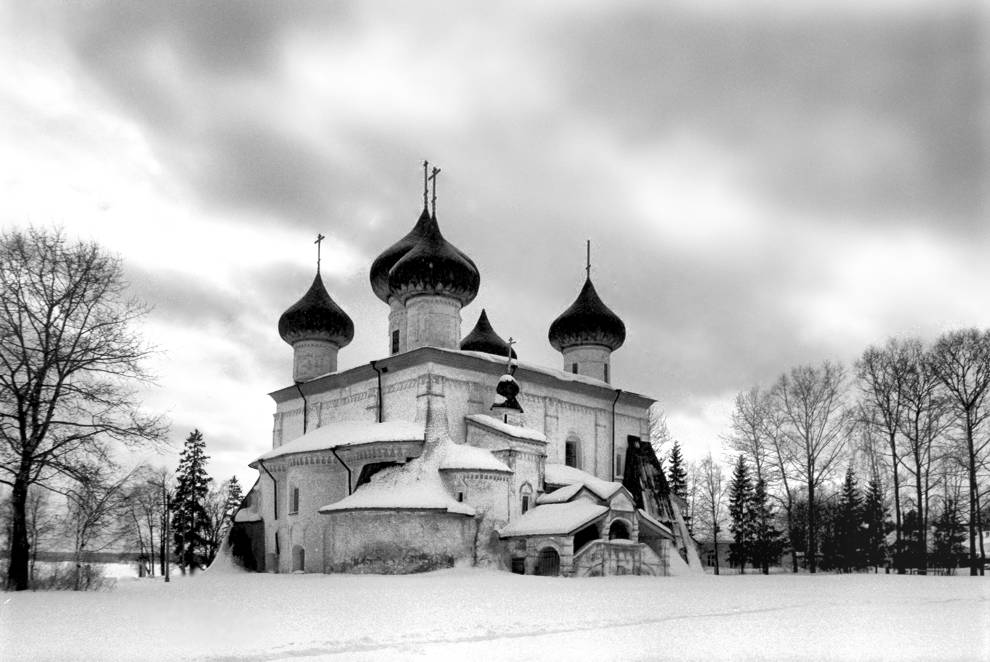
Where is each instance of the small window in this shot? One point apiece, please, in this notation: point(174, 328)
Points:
point(460, 496)
point(395, 341)
point(606, 372)
point(294, 502)
point(574, 368)
point(525, 503)
point(620, 464)
point(571, 454)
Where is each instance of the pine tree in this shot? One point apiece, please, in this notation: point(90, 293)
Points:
point(678, 473)
point(767, 538)
point(950, 533)
point(234, 496)
point(848, 526)
point(741, 512)
point(189, 517)
point(875, 517)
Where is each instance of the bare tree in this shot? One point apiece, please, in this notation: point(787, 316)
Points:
point(881, 372)
point(752, 431)
point(68, 363)
point(217, 519)
point(961, 360)
point(145, 508)
point(923, 420)
point(816, 425)
point(712, 493)
point(96, 505)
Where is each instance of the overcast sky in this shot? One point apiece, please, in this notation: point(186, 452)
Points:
point(762, 187)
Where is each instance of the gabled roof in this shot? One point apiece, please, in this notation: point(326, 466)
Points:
point(555, 519)
point(348, 433)
point(561, 474)
point(562, 495)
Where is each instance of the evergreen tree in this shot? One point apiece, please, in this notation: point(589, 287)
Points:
point(950, 533)
point(741, 513)
point(875, 518)
point(678, 472)
point(234, 497)
point(190, 521)
point(767, 543)
point(849, 530)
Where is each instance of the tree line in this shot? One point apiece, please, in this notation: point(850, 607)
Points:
point(910, 418)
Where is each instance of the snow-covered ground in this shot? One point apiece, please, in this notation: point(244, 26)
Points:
point(469, 614)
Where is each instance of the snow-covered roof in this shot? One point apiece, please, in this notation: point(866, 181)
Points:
point(462, 456)
point(516, 431)
point(554, 519)
point(561, 474)
point(348, 433)
point(416, 485)
point(247, 515)
point(643, 515)
point(562, 495)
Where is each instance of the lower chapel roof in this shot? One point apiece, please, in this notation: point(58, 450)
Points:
point(525, 373)
point(554, 519)
point(348, 433)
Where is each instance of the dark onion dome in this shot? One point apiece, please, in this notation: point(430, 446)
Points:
point(484, 339)
point(587, 322)
point(384, 262)
point(433, 266)
point(316, 317)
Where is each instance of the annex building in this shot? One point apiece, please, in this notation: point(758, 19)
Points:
point(449, 450)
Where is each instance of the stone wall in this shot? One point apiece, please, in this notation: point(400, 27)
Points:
point(396, 542)
point(617, 557)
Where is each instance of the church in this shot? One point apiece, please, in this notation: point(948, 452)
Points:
point(451, 451)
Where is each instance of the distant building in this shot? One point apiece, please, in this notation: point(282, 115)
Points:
point(447, 451)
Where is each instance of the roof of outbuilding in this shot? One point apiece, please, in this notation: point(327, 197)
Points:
point(554, 519)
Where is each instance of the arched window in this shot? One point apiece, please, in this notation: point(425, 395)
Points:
point(525, 497)
point(618, 531)
point(572, 453)
point(298, 559)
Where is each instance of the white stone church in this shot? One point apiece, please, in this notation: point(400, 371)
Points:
point(449, 451)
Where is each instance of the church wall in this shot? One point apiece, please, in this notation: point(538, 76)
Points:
point(396, 542)
point(618, 557)
point(488, 493)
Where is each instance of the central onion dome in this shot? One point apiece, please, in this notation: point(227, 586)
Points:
point(316, 317)
point(484, 339)
point(423, 262)
point(587, 322)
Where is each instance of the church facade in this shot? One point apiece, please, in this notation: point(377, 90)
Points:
point(449, 450)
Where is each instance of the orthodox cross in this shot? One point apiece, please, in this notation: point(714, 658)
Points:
point(433, 179)
point(508, 364)
point(587, 264)
point(426, 179)
point(319, 240)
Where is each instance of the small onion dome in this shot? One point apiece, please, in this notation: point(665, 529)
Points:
point(587, 322)
point(433, 266)
point(316, 317)
point(484, 339)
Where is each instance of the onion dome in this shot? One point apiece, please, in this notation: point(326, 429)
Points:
point(316, 317)
point(384, 262)
point(431, 266)
point(587, 322)
point(484, 339)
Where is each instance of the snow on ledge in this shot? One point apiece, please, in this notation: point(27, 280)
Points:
point(348, 433)
point(516, 431)
point(464, 457)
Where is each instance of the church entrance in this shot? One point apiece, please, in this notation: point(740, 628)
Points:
point(548, 563)
point(298, 559)
point(618, 531)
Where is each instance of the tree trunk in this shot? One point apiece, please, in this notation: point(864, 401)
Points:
point(974, 513)
point(897, 504)
point(18, 578)
point(812, 538)
point(922, 516)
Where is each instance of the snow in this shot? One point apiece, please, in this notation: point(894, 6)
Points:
point(655, 522)
point(414, 485)
point(562, 375)
point(562, 495)
point(462, 456)
point(247, 515)
point(561, 474)
point(554, 518)
point(516, 431)
point(348, 433)
point(471, 614)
